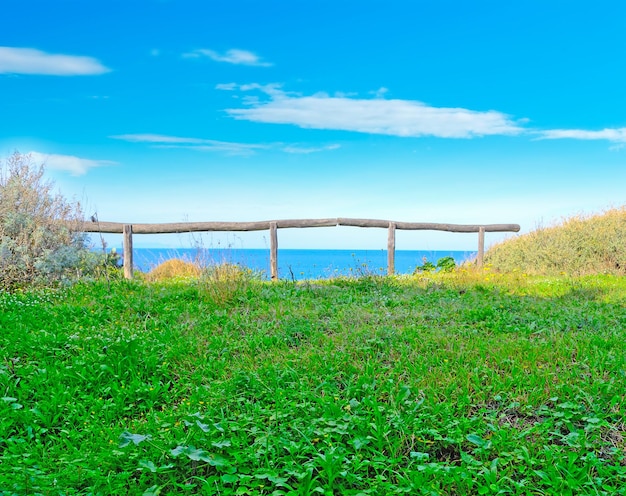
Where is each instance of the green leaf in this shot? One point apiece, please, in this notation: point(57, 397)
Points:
point(147, 464)
point(477, 440)
point(229, 478)
point(191, 452)
point(218, 461)
point(198, 454)
point(359, 442)
point(152, 491)
point(126, 438)
point(419, 456)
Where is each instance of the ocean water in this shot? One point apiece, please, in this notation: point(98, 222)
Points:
point(299, 264)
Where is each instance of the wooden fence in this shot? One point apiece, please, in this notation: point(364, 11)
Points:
point(273, 225)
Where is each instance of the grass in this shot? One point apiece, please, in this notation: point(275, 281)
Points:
point(461, 383)
point(580, 245)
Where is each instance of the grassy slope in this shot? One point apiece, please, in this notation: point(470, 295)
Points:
point(446, 384)
point(577, 246)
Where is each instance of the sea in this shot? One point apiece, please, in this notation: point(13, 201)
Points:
point(300, 264)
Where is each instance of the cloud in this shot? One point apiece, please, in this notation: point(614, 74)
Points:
point(76, 166)
point(31, 61)
point(233, 56)
point(269, 89)
point(158, 138)
point(615, 135)
point(164, 141)
point(231, 148)
point(227, 86)
point(405, 118)
point(307, 150)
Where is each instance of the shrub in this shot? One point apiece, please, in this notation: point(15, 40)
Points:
point(172, 269)
point(445, 264)
point(221, 283)
point(40, 238)
point(579, 245)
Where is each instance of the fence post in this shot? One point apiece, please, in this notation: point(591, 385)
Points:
point(391, 249)
point(481, 247)
point(274, 251)
point(128, 251)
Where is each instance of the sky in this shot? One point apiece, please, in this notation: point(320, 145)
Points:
point(421, 111)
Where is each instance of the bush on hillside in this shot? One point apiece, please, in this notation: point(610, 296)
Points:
point(580, 245)
point(40, 239)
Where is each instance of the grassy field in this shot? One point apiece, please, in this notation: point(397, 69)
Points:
point(455, 383)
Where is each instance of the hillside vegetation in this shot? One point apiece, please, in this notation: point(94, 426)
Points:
point(580, 245)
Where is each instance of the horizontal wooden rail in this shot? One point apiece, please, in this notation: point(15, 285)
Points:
point(273, 225)
point(181, 227)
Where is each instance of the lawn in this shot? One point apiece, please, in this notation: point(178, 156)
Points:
point(457, 383)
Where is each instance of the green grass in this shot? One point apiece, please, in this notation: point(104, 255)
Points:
point(441, 384)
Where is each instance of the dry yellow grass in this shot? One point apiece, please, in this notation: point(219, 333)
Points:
point(173, 269)
point(578, 246)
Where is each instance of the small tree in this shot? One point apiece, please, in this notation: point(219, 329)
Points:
point(40, 238)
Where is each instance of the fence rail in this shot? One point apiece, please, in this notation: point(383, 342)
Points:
point(273, 225)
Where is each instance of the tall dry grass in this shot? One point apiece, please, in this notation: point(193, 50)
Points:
point(579, 245)
point(219, 283)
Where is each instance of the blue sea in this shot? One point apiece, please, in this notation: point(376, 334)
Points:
point(299, 264)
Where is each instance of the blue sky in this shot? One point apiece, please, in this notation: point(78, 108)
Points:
point(433, 111)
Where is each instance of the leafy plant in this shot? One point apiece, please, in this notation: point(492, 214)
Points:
point(445, 264)
point(40, 238)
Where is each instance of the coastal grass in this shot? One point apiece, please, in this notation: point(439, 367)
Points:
point(579, 245)
point(459, 383)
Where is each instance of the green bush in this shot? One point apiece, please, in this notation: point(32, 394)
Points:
point(445, 264)
point(579, 245)
point(40, 238)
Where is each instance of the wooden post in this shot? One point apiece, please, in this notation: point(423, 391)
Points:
point(128, 251)
point(481, 247)
point(391, 249)
point(274, 251)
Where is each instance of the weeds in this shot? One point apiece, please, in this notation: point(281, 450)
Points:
point(445, 383)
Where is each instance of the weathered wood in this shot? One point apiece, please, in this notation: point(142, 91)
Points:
point(481, 247)
point(128, 251)
point(178, 227)
point(273, 251)
point(181, 227)
point(391, 249)
point(300, 223)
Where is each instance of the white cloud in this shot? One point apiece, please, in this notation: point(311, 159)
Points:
point(74, 165)
point(307, 150)
point(159, 138)
point(615, 135)
point(233, 56)
point(231, 148)
point(222, 146)
point(227, 86)
point(164, 141)
point(406, 118)
point(31, 61)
